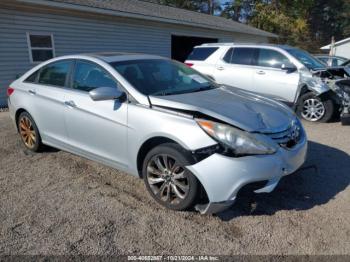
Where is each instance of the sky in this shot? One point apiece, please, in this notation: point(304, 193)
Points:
point(223, 1)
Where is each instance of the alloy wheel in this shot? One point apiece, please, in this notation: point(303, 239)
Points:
point(167, 179)
point(27, 132)
point(313, 110)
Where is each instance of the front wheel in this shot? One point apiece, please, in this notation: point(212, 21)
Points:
point(312, 108)
point(167, 179)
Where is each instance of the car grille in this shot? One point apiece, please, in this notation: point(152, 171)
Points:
point(289, 137)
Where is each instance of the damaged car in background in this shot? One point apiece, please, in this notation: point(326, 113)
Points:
point(333, 83)
point(281, 72)
point(193, 142)
point(330, 84)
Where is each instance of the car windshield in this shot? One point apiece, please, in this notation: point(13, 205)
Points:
point(306, 59)
point(161, 77)
point(346, 63)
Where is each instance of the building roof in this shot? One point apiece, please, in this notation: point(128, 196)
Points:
point(156, 12)
point(336, 43)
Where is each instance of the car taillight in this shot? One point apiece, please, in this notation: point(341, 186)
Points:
point(10, 90)
point(189, 64)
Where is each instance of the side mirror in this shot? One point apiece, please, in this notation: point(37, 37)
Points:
point(289, 67)
point(106, 93)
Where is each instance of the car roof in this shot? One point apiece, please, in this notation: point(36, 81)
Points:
point(328, 56)
point(110, 57)
point(244, 44)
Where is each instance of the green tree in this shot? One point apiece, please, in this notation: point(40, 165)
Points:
point(307, 24)
point(287, 19)
point(330, 18)
point(238, 10)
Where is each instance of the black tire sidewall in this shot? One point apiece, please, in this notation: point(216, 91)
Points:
point(38, 143)
point(328, 104)
point(174, 151)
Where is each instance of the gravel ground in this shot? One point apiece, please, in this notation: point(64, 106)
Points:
point(56, 203)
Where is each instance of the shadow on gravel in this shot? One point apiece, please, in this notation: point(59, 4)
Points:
point(49, 149)
point(300, 191)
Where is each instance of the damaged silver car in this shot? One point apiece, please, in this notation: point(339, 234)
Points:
point(193, 142)
point(284, 73)
point(330, 87)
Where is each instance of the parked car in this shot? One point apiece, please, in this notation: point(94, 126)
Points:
point(331, 61)
point(346, 63)
point(285, 73)
point(159, 120)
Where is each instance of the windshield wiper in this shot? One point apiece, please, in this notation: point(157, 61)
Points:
point(204, 88)
point(166, 93)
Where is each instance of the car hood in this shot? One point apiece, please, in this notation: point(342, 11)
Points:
point(237, 107)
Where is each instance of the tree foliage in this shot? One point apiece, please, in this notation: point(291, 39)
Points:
point(308, 24)
point(287, 19)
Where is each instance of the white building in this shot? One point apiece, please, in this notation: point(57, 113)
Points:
point(32, 31)
point(341, 48)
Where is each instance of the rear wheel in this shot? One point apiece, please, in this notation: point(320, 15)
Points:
point(29, 132)
point(167, 179)
point(312, 108)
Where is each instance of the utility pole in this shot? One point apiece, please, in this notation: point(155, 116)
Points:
point(211, 7)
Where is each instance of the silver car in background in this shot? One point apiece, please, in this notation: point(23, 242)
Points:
point(159, 120)
point(332, 61)
point(282, 72)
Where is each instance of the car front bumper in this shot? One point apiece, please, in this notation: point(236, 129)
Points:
point(222, 176)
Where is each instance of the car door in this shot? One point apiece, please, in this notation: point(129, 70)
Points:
point(235, 68)
point(46, 93)
point(270, 79)
point(97, 129)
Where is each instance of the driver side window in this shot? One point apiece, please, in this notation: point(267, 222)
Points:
point(88, 76)
point(271, 58)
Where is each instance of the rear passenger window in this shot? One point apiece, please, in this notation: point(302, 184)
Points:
point(201, 53)
point(228, 56)
point(55, 74)
point(243, 56)
point(271, 58)
point(88, 76)
point(32, 78)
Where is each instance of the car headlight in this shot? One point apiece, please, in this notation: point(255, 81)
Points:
point(240, 142)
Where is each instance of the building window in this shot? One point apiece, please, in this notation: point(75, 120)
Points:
point(41, 47)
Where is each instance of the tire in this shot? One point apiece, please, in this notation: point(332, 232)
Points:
point(29, 132)
point(171, 185)
point(312, 108)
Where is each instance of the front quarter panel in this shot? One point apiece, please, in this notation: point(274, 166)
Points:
point(145, 123)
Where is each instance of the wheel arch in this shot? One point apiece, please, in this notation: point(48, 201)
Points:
point(148, 145)
point(327, 94)
point(19, 111)
point(153, 142)
point(304, 89)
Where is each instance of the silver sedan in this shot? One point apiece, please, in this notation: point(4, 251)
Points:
point(194, 143)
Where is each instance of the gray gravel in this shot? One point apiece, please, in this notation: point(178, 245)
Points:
point(57, 203)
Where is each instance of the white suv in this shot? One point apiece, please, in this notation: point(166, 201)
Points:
point(282, 72)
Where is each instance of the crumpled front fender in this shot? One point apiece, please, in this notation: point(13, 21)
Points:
point(313, 83)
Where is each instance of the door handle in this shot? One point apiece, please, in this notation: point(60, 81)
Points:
point(32, 92)
point(220, 68)
point(70, 103)
point(261, 72)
